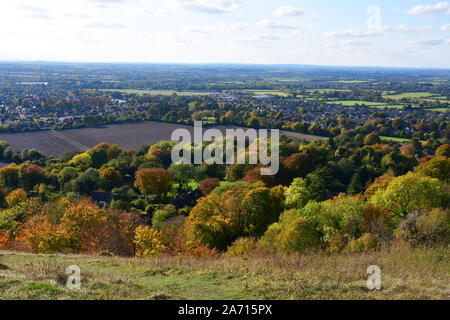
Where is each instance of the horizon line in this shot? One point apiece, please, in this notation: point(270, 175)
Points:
point(222, 63)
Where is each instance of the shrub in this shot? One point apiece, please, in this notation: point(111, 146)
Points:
point(367, 242)
point(160, 216)
point(43, 237)
point(195, 249)
point(378, 222)
point(299, 236)
point(240, 247)
point(4, 237)
point(269, 240)
point(432, 227)
point(149, 242)
point(338, 242)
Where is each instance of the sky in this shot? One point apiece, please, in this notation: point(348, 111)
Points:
point(401, 33)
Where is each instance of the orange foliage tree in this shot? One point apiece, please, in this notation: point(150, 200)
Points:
point(15, 197)
point(153, 181)
point(81, 220)
point(208, 185)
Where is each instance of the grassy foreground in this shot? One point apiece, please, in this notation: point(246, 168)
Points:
point(405, 274)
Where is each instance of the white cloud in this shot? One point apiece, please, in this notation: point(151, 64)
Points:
point(407, 29)
point(445, 27)
point(259, 40)
point(105, 25)
point(270, 24)
point(107, 1)
point(348, 44)
point(430, 10)
point(424, 43)
point(205, 6)
point(35, 11)
point(354, 33)
point(220, 27)
point(288, 11)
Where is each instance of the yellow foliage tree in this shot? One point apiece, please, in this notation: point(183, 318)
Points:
point(149, 242)
point(16, 197)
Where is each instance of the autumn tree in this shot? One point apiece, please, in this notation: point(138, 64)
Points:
point(9, 176)
point(219, 219)
point(443, 150)
point(16, 197)
point(66, 174)
point(153, 181)
point(208, 185)
point(80, 219)
point(298, 165)
point(32, 175)
point(110, 178)
point(411, 192)
point(297, 195)
point(438, 167)
point(114, 151)
point(372, 138)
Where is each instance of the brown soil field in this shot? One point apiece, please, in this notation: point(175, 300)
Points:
point(130, 136)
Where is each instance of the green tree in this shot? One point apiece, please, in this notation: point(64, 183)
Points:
point(411, 192)
point(297, 195)
point(98, 157)
point(88, 181)
point(110, 178)
point(182, 174)
point(372, 138)
point(9, 176)
point(438, 167)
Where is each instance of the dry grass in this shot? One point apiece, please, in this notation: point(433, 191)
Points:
point(406, 274)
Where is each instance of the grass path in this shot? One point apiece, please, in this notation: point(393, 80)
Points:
point(406, 274)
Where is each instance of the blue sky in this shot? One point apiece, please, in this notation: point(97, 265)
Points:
point(365, 33)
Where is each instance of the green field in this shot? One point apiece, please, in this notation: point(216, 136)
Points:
point(352, 81)
point(265, 92)
point(326, 90)
point(441, 109)
point(355, 102)
point(287, 79)
point(395, 139)
point(408, 95)
point(405, 274)
point(159, 92)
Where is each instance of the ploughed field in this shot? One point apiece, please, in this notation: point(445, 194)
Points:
point(129, 136)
